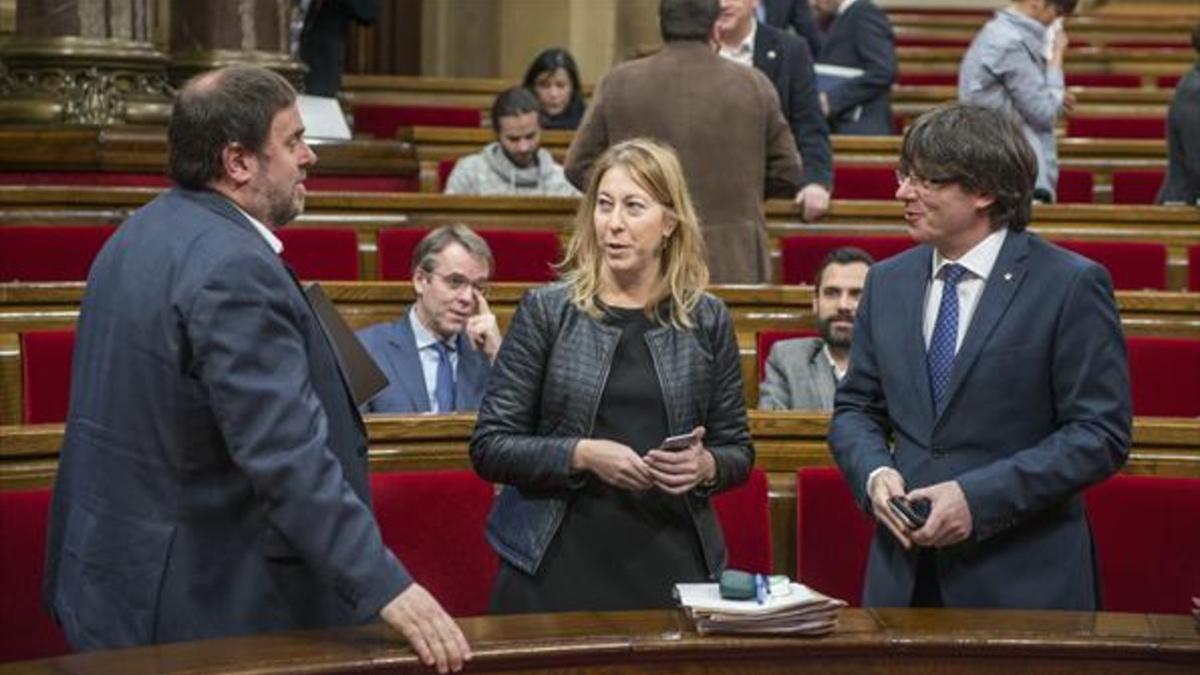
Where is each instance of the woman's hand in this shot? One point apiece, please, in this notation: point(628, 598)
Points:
point(612, 462)
point(679, 471)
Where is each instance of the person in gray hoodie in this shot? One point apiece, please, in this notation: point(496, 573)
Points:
point(513, 164)
point(1015, 64)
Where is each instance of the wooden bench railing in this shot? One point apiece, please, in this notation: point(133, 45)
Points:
point(784, 442)
point(1178, 227)
point(754, 308)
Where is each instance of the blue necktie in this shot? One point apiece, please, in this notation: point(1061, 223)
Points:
point(444, 390)
point(942, 344)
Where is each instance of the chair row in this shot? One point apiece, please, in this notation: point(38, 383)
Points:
point(1164, 373)
point(41, 253)
point(425, 515)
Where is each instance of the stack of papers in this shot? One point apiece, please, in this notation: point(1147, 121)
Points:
point(802, 611)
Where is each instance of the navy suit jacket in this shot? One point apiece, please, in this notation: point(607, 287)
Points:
point(861, 37)
point(213, 475)
point(785, 60)
point(796, 14)
point(394, 348)
point(1038, 408)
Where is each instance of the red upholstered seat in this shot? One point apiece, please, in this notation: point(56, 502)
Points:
point(523, 255)
point(325, 254)
point(444, 167)
point(46, 372)
point(927, 79)
point(394, 252)
point(833, 535)
point(765, 338)
point(1076, 186)
point(1194, 268)
point(1118, 80)
point(26, 630)
point(931, 41)
point(50, 253)
point(1164, 374)
point(1134, 265)
point(864, 182)
point(745, 519)
point(1117, 127)
point(85, 179)
point(1136, 186)
point(1167, 81)
point(434, 522)
point(801, 255)
point(382, 121)
point(352, 183)
point(1147, 548)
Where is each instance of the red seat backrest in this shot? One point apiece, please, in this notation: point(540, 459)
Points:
point(927, 79)
point(1117, 127)
point(1133, 265)
point(1076, 186)
point(50, 252)
point(527, 255)
point(320, 253)
point(1119, 80)
point(444, 167)
point(1136, 186)
point(26, 630)
point(745, 517)
point(1164, 375)
point(802, 254)
point(46, 372)
point(382, 121)
point(833, 535)
point(434, 522)
point(1194, 268)
point(1145, 530)
point(1167, 81)
point(864, 182)
point(394, 252)
point(764, 339)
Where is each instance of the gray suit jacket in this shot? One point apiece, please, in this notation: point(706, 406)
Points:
point(724, 121)
point(213, 475)
point(1037, 409)
point(394, 348)
point(799, 377)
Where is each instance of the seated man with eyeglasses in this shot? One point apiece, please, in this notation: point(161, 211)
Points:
point(438, 354)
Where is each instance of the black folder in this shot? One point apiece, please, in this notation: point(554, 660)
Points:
point(363, 377)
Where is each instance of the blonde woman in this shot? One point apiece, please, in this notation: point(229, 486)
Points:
point(596, 372)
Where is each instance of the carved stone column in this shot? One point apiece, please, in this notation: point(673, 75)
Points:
point(83, 62)
point(216, 33)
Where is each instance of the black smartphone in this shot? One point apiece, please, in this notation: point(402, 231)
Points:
point(680, 442)
point(913, 514)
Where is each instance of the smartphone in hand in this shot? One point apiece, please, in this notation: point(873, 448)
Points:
point(680, 442)
point(912, 514)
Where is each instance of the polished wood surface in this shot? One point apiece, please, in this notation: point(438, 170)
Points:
point(891, 641)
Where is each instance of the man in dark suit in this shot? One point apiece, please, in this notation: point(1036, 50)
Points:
point(323, 40)
point(785, 60)
point(732, 140)
point(859, 37)
point(987, 380)
point(794, 14)
point(437, 356)
point(213, 475)
point(1182, 181)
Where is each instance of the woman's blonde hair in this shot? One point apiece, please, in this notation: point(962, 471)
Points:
point(683, 269)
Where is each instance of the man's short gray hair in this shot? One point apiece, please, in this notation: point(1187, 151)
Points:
point(437, 241)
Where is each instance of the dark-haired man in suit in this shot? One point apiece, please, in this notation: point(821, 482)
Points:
point(988, 380)
point(794, 14)
point(786, 61)
point(859, 36)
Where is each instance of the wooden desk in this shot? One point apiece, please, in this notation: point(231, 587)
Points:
point(884, 641)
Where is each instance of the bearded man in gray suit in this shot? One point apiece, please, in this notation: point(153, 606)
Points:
point(803, 373)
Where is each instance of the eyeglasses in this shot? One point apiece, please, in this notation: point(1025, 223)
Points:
point(920, 183)
point(457, 282)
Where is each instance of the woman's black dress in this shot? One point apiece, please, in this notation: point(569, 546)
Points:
point(615, 549)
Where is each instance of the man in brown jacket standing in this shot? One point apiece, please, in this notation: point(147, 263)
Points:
point(724, 121)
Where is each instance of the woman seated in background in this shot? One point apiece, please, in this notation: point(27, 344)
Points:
point(554, 78)
point(594, 373)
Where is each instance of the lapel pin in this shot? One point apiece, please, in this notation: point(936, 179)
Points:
point(1008, 276)
point(771, 54)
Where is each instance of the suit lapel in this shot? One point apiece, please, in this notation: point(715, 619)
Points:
point(912, 316)
point(405, 361)
point(767, 56)
point(998, 293)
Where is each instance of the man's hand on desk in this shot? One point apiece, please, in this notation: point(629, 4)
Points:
point(433, 635)
point(949, 520)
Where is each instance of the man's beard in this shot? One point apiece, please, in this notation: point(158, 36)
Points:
point(837, 340)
